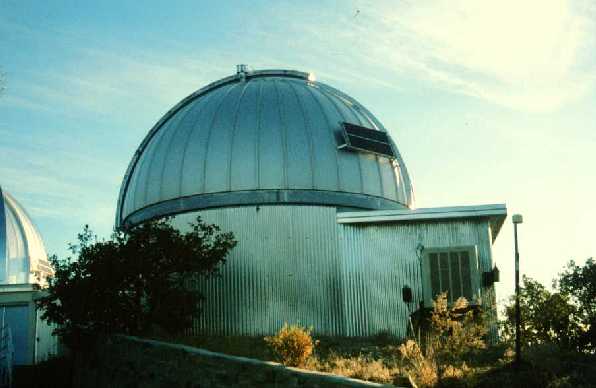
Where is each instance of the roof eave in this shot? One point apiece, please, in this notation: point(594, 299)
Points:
point(495, 213)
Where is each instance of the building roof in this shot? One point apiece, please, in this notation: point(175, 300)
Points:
point(260, 137)
point(22, 252)
point(496, 215)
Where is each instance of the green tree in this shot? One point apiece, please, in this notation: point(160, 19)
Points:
point(578, 284)
point(134, 281)
point(547, 317)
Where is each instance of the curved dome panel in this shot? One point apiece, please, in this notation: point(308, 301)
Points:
point(23, 258)
point(259, 138)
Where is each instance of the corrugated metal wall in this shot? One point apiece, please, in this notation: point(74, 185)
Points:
point(295, 264)
point(379, 259)
point(285, 268)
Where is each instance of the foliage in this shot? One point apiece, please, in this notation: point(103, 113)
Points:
point(456, 332)
point(292, 345)
point(547, 317)
point(578, 284)
point(136, 280)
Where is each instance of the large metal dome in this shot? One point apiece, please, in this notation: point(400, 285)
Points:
point(23, 257)
point(261, 137)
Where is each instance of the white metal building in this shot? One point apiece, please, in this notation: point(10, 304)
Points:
point(23, 272)
point(320, 201)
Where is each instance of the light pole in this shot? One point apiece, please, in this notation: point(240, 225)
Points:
point(517, 219)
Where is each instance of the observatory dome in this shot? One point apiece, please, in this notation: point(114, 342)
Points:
point(264, 137)
point(23, 257)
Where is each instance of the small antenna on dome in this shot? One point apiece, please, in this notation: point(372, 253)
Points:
point(241, 71)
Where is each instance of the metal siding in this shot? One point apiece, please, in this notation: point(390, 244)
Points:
point(368, 163)
point(388, 178)
point(295, 264)
point(170, 180)
point(284, 269)
point(299, 151)
point(218, 144)
point(271, 153)
point(191, 171)
point(325, 158)
point(379, 259)
point(350, 176)
point(155, 178)
point(244, 143)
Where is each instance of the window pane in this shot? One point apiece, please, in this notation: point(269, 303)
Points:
point(456, 290)
point(444, 267)
point(465, 274)
point(434, 274)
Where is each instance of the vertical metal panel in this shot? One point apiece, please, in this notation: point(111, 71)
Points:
point(379, 259)
point(284, 269)
point(296, 264)
point(193, 162)
point(174, 158)
point(243, 174)
point(271, 141)
point(219, 141)
point(159, 156)
point(299, 149)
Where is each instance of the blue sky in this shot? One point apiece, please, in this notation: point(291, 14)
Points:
point(489, 102)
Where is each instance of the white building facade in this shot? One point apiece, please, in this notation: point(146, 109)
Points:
point(23, 272)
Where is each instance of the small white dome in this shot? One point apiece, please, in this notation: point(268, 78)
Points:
point(23, 257)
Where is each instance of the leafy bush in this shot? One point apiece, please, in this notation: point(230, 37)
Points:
point(292, 345)
point(132, 282)
point(578, 284)
point(547, 317)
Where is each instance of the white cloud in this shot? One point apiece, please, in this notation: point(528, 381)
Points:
point(529, 55)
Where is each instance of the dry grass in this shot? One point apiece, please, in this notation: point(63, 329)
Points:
point(359, 367)
point(378, 359)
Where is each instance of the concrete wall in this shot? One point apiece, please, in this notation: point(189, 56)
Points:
point(133, 362)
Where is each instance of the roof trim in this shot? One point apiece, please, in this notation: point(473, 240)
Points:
point(496, 213)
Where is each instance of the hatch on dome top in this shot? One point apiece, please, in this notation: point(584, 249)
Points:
point(359, 138)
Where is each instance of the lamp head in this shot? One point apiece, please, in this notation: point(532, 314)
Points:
point(517, 219)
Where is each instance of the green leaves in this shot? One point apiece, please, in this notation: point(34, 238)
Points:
point(134, 281)
point(547, 317)
point(578, 284)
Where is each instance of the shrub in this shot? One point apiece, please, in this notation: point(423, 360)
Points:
point(132, 282)
point(420, 368)
point(292, 345)
point(455, 333)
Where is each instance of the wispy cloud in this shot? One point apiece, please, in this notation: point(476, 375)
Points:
point(531, 55)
